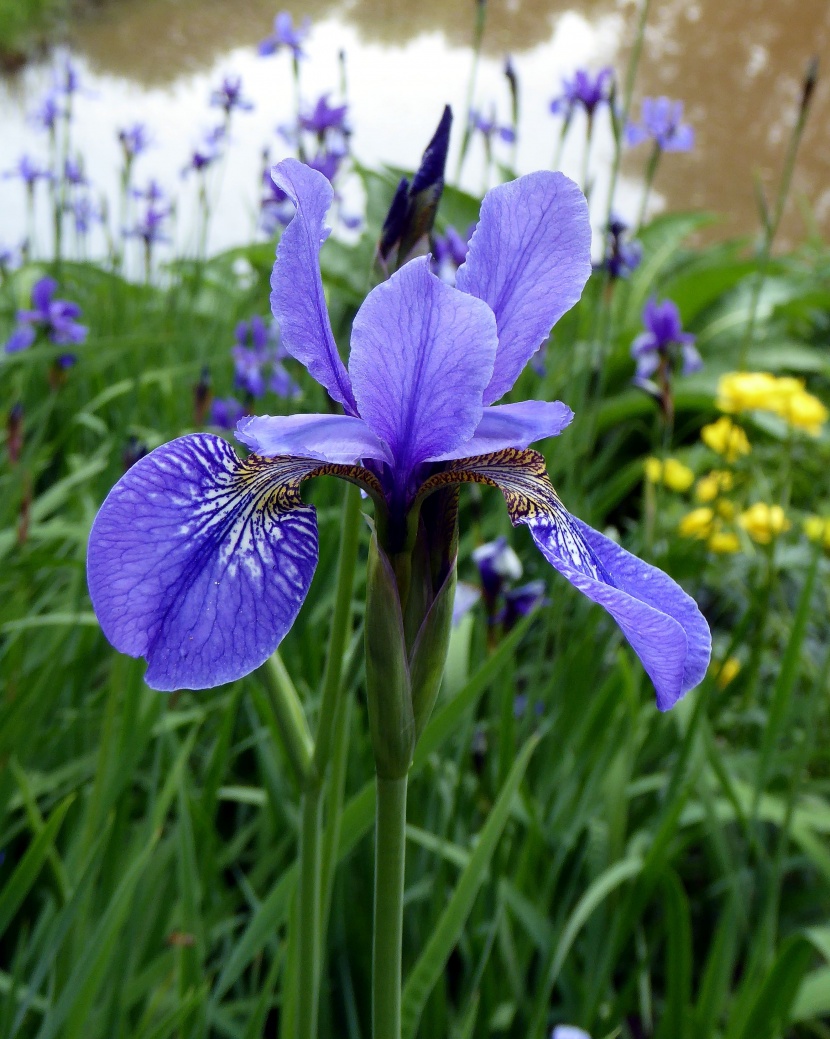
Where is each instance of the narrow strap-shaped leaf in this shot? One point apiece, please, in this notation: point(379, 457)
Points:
point(26, 873)
point(448, 929)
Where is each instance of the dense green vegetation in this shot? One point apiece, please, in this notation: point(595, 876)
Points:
point(574, 856)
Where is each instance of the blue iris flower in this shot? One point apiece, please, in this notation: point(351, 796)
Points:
point(200, 561)
point(661, 121)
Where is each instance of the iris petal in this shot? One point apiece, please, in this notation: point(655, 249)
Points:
point(663, 624)
point(200, 562)
point(513, 425)
point(333, 438)
point(421, 356)
point(529, 259)
point(298, 301)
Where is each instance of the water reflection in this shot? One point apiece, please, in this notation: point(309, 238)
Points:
point(737, 66)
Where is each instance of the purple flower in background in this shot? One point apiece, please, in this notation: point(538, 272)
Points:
point(583, 91)
point(449, 251)
point(134, 139)
point(519, 602)
point(153, 192)
point(621, 257)
point(85, 213)
point(55, 318)
point(200, 561)
point(488, 127)
point(250, 355)
point(285, 35)
point(664, 337)
point(29, 171)
point(73, 173)
point(324, 117)
point(228, 96)
point(225, 413)
point(47, 113)
point(497, 564)
point(661, 121)
point(11, 257)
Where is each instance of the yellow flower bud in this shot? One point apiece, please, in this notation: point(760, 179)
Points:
point(817, 528)
point(724, 542)
point(764, 522)
point(726, 671)
point(804, 411)
point(697, 524)
point(675, 475)
point(726, 439)
point(714, 484)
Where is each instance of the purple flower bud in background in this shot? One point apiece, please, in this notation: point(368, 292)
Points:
point(466, 596)
point(285, 35)
point(583, 91)
point(661, 121)
point(663, 339)
point(225, 413)
point(228, 96)
point(54, 317)
point(67, 80)
point(65, 361)
point(621, 257)
point(134, 140)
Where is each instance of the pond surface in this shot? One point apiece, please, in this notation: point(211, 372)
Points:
point(737, 66)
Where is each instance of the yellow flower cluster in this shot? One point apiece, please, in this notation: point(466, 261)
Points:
point(764, 522)
point(784, 396)
point(725, 439)
point(711, 487)
point(817, 528)
point(673, 474)
point(705, 525)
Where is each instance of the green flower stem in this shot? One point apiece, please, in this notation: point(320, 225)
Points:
point(390, 840)
point(309, 938)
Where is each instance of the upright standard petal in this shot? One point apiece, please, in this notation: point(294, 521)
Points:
point(422, 354)
point(333, 438)
point(200, 562)
point(513, 425)
point(298, 301)
point(663, 624)
point(529, 259)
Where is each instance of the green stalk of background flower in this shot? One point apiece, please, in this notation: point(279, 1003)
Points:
point(771, 221)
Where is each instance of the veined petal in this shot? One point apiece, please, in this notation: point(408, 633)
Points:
point(200, 562)
point(332, 438)
point(662, 623)
point(529, 259)
point(298, 301)
point(422, 354)
point(513, 425)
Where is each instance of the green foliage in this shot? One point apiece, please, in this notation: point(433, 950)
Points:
point(641, 874)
